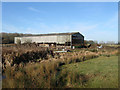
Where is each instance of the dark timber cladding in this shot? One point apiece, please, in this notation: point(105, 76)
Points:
point(74, 38)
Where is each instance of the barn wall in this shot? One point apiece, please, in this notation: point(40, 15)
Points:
point(77, 39)
point(59, 39)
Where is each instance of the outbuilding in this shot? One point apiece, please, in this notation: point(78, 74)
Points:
point(68, 39)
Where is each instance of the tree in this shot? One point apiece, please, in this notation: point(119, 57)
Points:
point(18, 41)
point(28, 41)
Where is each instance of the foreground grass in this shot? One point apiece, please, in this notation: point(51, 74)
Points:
point(100, 72)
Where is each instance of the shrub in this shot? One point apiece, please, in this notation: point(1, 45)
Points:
point(47, 73)
point(13, 56)
point(18, 41)
point(28, 41)
point(94, 50)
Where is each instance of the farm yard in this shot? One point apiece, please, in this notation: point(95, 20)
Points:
point(32, 66)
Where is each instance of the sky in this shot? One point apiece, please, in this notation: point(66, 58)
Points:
point(95, 20)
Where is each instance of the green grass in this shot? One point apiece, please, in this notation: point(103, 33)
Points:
point(100, 72)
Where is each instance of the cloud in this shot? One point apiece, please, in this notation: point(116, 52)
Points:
point(12, 29)
point(83, 27)
point(103, 31)
point(103, 35)
point(76, 27)
point(90, 31)
point(34, 9)
point(112, 22)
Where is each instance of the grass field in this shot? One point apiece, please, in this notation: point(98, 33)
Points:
point(31, 66)
point(100, 72)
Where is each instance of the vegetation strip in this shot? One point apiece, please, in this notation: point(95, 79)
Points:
point(48, 73)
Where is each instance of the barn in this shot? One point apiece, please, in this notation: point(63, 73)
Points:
point(68, 39)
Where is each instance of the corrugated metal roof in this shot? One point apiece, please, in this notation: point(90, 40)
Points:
point(69, 33)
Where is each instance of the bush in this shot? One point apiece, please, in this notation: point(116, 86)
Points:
point(14, 56)
point(18, 41)
point(93, 50)
point(28, 41)
point(78, 46)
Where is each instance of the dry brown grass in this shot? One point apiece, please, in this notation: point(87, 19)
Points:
point(41, 74)
point(15, 55)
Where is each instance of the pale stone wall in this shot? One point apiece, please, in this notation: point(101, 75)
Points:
point(59, 39)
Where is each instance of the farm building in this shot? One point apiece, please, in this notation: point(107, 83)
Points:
point(68, 39)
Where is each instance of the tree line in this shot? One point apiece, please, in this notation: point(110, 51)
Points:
point(8, 38)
